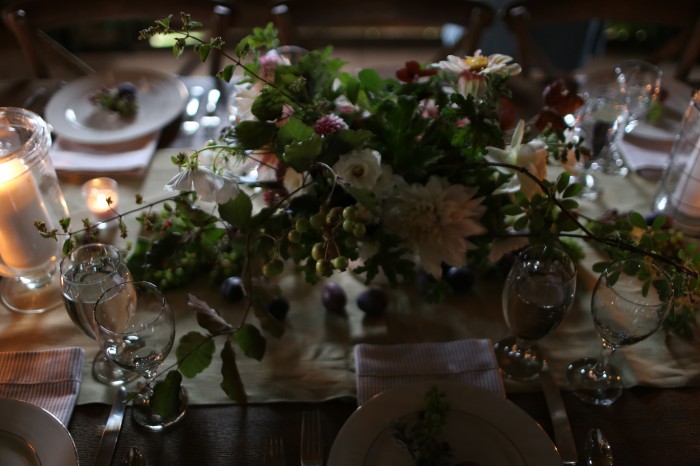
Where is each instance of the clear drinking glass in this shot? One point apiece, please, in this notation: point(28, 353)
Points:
point(136, 330)
point(87, 272)
point(630, 302)
point(597, 123)
point(639, 83)
point(537, 295)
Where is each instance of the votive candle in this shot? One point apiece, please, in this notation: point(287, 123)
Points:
point(97, 192)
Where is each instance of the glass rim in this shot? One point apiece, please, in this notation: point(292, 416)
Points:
point(152, 287)
point(85, 247)
point(660, 272)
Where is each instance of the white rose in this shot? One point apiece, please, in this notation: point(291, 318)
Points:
point(533, 157)
point(360, 169)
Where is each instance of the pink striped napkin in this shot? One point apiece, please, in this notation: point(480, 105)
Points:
point(380, 367)
point(49, 379)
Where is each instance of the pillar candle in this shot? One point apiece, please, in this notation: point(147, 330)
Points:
point(21, 245)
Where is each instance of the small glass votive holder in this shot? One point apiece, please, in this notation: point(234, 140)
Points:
point(102, 200)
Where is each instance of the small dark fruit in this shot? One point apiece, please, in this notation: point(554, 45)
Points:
point(278, 307)
point(372, 301)
point(334, 298)
point(126, 90)
point(232, 289)
point(461, 279)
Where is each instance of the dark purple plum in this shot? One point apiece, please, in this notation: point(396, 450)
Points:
point(334, 298)
point(232, 289)
point(278, 307)
point(372, 301)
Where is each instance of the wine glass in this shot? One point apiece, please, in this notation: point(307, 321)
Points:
point(597, 123)
point(630, 302)
point(136, 330)
point(639, 83)
point(537, 294)
point(87, 272)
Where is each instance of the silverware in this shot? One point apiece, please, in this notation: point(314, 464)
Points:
point(110, 434)
point(274, 456)
point(560, 421)
point(133, 457)
point(597, 449)
point(311, 450)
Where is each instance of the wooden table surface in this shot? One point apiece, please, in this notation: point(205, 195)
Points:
point(647, 426)
point(655, 427)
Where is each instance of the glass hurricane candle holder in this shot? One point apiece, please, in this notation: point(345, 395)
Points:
point(29, 193)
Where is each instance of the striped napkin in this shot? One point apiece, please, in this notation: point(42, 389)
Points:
point(380, 367)
point(49, 379)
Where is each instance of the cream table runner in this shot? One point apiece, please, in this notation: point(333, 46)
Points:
point(314, 359)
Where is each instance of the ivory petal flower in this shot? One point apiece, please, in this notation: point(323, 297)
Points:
point(209, 185)
point(360, 169)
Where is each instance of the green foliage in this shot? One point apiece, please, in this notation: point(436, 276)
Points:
point(165, 400)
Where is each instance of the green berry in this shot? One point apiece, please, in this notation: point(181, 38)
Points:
point(318, 251)
point(294, 236)
point(359, 230)
point(349, 225)
point(273, 268)
point(316, 221)
point(340, 263)
point(324, 267)
point(302, 224)
point(350, 213)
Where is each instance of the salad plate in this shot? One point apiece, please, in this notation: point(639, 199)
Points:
point(481, 427)
point(31, 436)
point(161, 98)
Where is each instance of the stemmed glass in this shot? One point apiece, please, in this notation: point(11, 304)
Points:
point(639, 83)
point(87, 272)
point(630, 302)
point(598, 122)
point(136, 330)
point(537, 294)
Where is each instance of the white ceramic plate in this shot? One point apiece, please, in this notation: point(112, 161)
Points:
point(481, 427)
point(32, 436)
point(161, 97)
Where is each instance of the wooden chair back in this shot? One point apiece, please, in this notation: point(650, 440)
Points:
point(524, 16)
point(292, 17)
point(29, 21)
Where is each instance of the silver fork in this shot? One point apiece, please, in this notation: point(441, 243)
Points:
point(311, 445)
point(274, 456)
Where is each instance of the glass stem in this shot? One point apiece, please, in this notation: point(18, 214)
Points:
point(605, 354)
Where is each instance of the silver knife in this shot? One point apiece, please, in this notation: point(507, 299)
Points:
point(560, 421)
point(110, 434)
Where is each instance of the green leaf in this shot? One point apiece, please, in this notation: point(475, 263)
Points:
point(165, 400)
point(370, 79)
point(203, 51)
point(237, 211)
point(268, 105)
point(659, 222)
point(251, 341)
point(226, 73)
point(563, 182)
point(637, 220)
point(231, 384)
point(521, 223)
point(511, 209)
point(570, 204)
point(194, 353)
point(572, 190)
point(301, 155)
point(252, 135)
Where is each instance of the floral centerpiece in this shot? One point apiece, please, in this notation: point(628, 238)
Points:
point(378, 176)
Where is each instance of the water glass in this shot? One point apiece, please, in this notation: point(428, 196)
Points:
point(640, 84)
point(537, 295)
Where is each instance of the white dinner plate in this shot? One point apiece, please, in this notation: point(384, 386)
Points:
point(481, 427)
point(161, 98)
point(32, 436)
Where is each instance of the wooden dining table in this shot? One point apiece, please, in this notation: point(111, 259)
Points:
point(649, 425)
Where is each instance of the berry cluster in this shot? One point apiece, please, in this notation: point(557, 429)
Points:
point(120, 99)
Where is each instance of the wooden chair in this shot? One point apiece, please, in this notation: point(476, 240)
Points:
point(523, 17)
point(292, 17)
point(29, 21)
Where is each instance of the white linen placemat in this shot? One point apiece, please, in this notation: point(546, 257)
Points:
point(49, 379)
point(381, 367)
point(128, 156)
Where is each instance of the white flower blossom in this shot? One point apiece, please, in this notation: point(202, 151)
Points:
point(436, 219)
point(243, 98)
point(360, 169)
point(293, 180)
point(388, 182)
point(493, 64)
point(531, 156)
point(209, 185)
